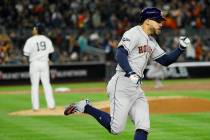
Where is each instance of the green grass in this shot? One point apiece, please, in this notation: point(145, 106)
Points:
point(72, 86)
point(194, 126)
point(187, 126)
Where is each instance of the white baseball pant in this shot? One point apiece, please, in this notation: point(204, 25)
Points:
point(127, 99)
point(40, 70)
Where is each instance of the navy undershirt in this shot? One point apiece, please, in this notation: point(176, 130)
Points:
point(169, 58)
point(122, 59)
point(165, 60)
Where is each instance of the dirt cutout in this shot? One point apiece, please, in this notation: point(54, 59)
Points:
point(158, 105)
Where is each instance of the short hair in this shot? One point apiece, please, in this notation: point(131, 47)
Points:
point(39, 27)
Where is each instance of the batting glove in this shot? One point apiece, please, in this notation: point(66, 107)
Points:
point(184, 42)
point(135, 78)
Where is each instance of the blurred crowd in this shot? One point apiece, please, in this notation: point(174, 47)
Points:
point(89, 30)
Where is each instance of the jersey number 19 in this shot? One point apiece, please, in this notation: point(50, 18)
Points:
point(41, 46)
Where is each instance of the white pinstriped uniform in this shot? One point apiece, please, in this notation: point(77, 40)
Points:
point(126, 98)
point(38, 48)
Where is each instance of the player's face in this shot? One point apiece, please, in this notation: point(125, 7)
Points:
point(155, 27)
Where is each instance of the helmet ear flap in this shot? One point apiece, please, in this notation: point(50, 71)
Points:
point(142, 15)
point(141, 18)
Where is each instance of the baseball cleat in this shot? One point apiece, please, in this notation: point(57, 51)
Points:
point(76, 107)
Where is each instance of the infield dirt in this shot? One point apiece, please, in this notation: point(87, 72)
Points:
point(158, 105)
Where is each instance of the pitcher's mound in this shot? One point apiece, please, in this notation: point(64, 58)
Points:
point(158, 105)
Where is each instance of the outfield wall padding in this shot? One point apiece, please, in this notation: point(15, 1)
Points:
point(77, 72)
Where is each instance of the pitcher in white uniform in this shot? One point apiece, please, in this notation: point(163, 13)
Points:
point(38, 48)
point(126, 97)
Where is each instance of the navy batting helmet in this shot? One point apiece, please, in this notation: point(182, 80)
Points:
point(151, 13)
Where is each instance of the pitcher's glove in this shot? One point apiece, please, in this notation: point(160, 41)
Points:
point(184, 42)
point(135, 78)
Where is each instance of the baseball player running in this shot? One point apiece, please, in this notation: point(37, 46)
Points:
point(124, 89)
point(37, 48)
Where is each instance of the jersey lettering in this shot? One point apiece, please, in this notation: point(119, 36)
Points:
point(41, 46)
point(125, 39)
point(145, 48)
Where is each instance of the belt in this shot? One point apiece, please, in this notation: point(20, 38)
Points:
point(124, 74)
